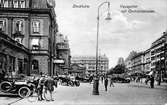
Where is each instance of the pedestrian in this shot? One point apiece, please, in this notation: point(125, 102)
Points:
point(152, 81)
point(49, 86)
point(147, 79)
point(40, 88)
point(105, 83)
point(111, 82)
point(102, 79)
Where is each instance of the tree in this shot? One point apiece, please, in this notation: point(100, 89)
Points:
point(119, 69)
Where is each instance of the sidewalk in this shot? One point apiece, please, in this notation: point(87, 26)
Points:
point(141, 84)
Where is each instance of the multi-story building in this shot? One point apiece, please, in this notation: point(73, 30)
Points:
point(27, 36)
point(153, 59)
point(138, 63)
point(78, 69)
point(158, 52)
point(147, 61)
point(63, 59)
point(90, 63)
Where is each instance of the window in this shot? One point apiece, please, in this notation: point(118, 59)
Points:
point(35, 44)
point(2, 25)
point(19, 26)
point(36, 26)
point(15, 4)
point(22, 4)
point(5, 3)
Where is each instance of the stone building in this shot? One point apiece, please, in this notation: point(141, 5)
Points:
point(63, 58)
point(153, 59)
point(27, 36)
point(139, 62)
point(147, 61)
point(78, 69)
point(90, 63)
point(158, 55)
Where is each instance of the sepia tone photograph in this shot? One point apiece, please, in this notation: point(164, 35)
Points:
point(83, 52)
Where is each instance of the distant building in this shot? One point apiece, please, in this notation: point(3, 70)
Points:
point(128, 62)
point(27, 36)
point(78, 69)
point(63, 58)
point(139, 62)
point(90, 63)
point(120, 61)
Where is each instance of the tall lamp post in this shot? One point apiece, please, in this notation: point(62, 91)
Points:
point(96, 79)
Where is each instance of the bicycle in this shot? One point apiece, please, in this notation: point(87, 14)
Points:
point(33, 96)
point(48, 95)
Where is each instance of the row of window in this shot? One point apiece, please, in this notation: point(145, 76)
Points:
point(12, 3)
point(19, 27)
point(20, 24)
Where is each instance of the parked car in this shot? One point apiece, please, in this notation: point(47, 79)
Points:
point(18, 87)
point(69, 81)
point(84, 79)
point(120, 80)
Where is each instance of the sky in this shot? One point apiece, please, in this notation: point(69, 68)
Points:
point(117, 37)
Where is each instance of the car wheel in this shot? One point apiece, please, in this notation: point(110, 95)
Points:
point(71, 83)
point(78, 83)
point(5, 86)
point(24, 92)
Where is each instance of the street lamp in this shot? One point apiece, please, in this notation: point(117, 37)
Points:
point(96, 80)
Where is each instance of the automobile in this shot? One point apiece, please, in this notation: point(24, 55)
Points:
point(22, 88)
point(120, 80)
point(69, 81)
point(74, 81)
point(84, 79)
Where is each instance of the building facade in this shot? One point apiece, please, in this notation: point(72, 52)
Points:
point(153, 59)
point(138, 63)
point(63, 58)
point(27, 29)
point(147, 61)
point(78, 69)
point(158, 56)
point(90, 63)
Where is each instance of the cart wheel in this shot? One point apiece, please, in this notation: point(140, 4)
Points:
point(24, 92)
point(5, 86)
